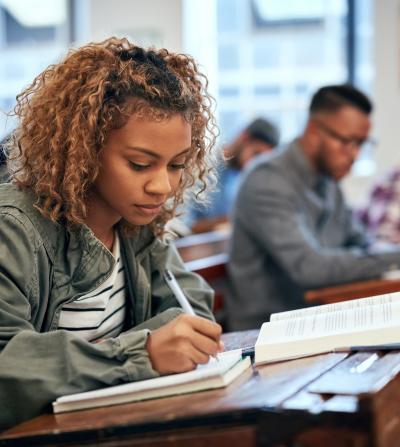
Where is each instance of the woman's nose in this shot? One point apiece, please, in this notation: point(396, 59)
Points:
point(160, 183)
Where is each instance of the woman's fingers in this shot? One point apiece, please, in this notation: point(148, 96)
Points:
point(183, 343)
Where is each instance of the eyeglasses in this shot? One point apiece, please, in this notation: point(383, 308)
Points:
point(345, 141)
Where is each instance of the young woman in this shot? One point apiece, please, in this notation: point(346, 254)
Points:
point(108, 140)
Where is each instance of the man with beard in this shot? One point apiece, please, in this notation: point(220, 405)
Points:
point(292, 228)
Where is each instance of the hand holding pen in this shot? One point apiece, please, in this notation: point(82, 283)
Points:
point(186, 341)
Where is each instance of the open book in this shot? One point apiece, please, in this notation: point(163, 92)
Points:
point(215, 374)
point(330, 327)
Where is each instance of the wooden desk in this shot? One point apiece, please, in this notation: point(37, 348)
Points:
point(326, 400)
point(353, 290)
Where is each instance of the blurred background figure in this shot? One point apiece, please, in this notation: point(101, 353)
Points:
point(258, 137)
point(381, 215)
point(292, 227)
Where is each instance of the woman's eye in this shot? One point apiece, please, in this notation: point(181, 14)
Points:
point(138, 166)
point(178, 166)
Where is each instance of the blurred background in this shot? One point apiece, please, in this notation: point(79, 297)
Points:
point(262, 57)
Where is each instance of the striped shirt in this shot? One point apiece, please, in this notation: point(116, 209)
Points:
point(100, 313)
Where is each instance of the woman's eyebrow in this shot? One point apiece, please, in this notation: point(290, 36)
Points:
point(155, 154)
point(184, 152)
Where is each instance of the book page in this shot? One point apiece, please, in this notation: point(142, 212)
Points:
point(344, 320)
point(337, 307)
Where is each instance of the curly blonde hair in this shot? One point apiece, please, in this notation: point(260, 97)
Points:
point(67, 112)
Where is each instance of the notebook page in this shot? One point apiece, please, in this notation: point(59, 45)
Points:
point(202, 372)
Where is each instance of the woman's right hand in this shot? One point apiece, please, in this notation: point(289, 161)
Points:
point(183, 343)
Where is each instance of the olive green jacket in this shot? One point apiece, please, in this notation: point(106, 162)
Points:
point(44, 266)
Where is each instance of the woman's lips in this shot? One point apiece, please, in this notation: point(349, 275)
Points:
point(149, 210)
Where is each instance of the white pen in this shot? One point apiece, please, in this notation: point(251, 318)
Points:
point(179, 295)
point(177, 291)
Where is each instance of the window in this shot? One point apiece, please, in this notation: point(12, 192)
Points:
point(33, 34)
point(276, 55)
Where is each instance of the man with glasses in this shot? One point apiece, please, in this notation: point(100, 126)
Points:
point(292, 229)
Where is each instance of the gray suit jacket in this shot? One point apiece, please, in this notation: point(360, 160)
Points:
point(292, 231)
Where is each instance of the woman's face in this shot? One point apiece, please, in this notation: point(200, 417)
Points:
point(141, 167)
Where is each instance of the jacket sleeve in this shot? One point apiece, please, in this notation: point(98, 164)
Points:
point(36, 368)
point(266, 209)
point(198, 292)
